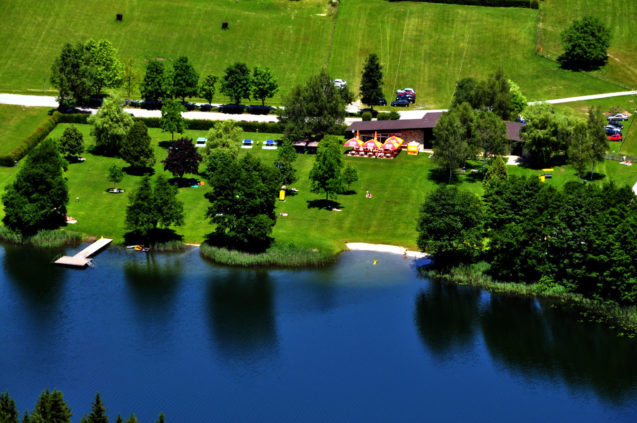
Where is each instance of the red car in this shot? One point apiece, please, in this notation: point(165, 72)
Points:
point(615, 137)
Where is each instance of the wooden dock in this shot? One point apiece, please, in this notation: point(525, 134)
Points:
point(83, 258)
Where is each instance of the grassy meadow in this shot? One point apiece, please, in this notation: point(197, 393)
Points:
point(618, 15)
point(426, 46)
point(16, 123)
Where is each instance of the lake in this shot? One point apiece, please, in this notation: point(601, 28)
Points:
point(351, 342)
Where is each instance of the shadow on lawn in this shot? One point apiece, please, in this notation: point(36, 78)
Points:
point(323, 204)
point(184, 182)
point(138, 171)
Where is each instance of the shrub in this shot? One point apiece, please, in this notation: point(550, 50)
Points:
point(367, 116)
point(383, 116)
point(394, 115)
point(31, 141)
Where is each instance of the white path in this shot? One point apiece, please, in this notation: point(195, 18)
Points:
point(48, 101)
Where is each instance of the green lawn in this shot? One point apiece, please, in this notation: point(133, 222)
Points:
point(426, 46)
point(17, 123)
point(618, 15)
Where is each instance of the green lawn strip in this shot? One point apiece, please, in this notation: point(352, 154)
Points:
point(430, 46)
point(17, 123)
point(618, 15)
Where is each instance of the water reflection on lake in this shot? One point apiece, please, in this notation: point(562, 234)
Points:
point(350, 342)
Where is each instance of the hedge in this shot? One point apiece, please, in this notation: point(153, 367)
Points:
point(31, 141)
point(532, 4)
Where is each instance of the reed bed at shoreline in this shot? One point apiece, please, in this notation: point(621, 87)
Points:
point(279, 255)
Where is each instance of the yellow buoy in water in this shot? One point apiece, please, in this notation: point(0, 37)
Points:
point(375, 261)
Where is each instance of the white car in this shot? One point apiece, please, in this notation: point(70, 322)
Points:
point(409, 90)
point(339, 83)
point(618, 116)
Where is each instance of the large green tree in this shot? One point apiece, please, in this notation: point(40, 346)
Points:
point(51, 408)
point(490, 134)
point(580, 149)
point(71, 75)
point(130, 77)
point(371, 88)
point(154, 86)
point(98, 412)
point(111, 125)
point(326, 175)
point(182, 158)
point(264, 84)
point(449, 225)
point(243, 197)
point(171, 119)
point(224, 134)
point(38, 196)
point(286, 156)
point(207, 88)
point(465, 92)
point(106, 69)
point(312, 110)
point(71, 142)
point(237, 82)
point(599, 143)
point(494, 94)
point(8, 410)
point(184, 79)
point(136, 149)
point(154, 205)
point(544, 134)
point(449, 145)
point(585, 44)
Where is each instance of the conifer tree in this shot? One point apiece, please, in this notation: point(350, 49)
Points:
point(98, 412)
point(372, 81)
point(8, 409)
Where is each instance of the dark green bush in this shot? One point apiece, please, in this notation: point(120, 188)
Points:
point(394, 115)
point(367, 116)
point(383, 116)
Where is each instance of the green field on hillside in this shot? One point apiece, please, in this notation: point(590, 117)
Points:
point(399, 186)
point(425, 46)
point(618, 15)
point(16, 123)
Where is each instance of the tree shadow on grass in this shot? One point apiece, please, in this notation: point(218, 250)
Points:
point(184, 182)
point(348, 192)
point(164, 144)
point(441, 176)
point(594, 177)
point(138, 171)
point(154, 236)
point(323, 204)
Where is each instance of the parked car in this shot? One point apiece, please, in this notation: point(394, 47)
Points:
point(410, 90)
point(618, 116)
point(610, 130)
point(339, 83)
point(615, 124)
point(382, 101)
point(410, 98)
point(615, 137)
point(400, 103)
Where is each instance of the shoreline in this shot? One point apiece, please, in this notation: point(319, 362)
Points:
point(386, 248)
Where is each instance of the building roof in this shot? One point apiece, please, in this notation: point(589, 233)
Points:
point(513, 130)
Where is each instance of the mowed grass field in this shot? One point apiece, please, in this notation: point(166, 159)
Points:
point(618, 15)
point(399, 187)
point(16, 123)
point(422, 45)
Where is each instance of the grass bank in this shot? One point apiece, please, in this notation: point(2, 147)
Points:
point(279, 255)
point(18, 123)
point(622, 318)
point(45, 238)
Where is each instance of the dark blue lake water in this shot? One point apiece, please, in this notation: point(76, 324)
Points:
point(352, 342)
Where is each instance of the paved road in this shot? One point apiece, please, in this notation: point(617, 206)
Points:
point(48, 101)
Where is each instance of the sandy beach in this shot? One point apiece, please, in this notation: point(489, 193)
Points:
point(383, 248)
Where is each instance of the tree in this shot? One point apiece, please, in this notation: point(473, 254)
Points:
point(580, 149)
point(496, 172)
point(26, 418)
point(313, 110)
point(207, 87)
point(71, 75)
point(98, 412)
point(599, 143)
point(141, 213)
point(37, 198)
point(132, 419)
point(544, 134)
point(286, 156)
point(106, 69)
point(183, 157)
point(171, 119)
point(494, 94)
point(51, 408)
point(130, 77)
point(264, 84)
point(71, 142)
point(154, 86)
point(110, 126)
point(449, 225)
point(327, 173)
point(8, 410)
point(350, 175)
point(346, 94)
point(465, 92)
point(136, 149)
point(372, 81)
point(161, 418)
point(119, 419)
point(184, 79)
point(115, 175)
point(489, 133)
point(169, 209)
point(585, 44)
point(518, 101)
point(224, 134)
point(449, 146)
point(237, 82)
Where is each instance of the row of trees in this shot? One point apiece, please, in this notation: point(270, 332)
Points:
point(581, 238)
point(52, 408)
point(182, 81)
